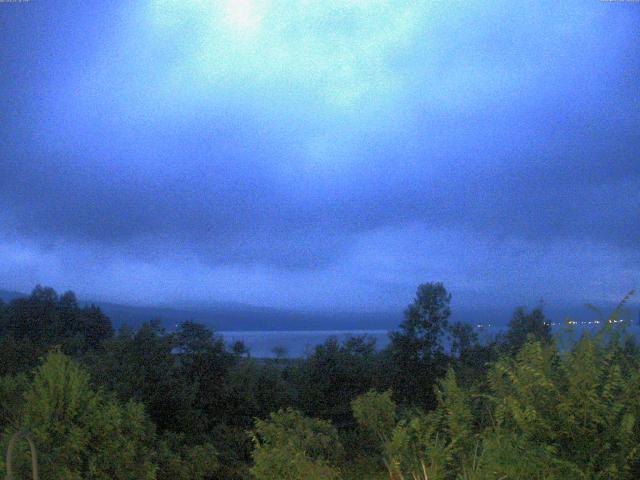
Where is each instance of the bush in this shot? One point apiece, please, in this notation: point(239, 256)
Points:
point(545, 414)
point(291, 446)
point(81, 433)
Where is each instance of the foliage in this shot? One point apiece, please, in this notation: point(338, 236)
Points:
point(527, 326)
point(12, 389)
point(44, 319)
point(468, 357)
point(583, 403)
point(142, 367)
point(157, 404)
point(201, 368)
point(256, 390)
point(177, 460)
point(291, 446)
point(552, 415)
point(376, 413)
point(17, 355)
point(335, 374)
point(417, 353)
point(79, 432)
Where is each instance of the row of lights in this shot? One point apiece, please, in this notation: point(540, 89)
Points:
point(568, 322)
point(595, 322)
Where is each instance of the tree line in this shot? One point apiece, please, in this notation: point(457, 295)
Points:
point(436, 403)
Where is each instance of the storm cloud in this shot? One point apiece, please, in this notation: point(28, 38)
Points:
point(331, 156)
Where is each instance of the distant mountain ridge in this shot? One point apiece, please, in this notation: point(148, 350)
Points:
point(237, 317)
point(6, 295)
point(234, 316)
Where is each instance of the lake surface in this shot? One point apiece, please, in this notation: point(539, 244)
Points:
point(299, 343)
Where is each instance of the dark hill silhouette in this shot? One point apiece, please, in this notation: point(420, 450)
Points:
point(235, 316)
point(238, 317)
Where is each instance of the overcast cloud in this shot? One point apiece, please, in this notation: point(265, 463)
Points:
point(330, 156)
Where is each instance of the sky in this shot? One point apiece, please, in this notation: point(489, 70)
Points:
point(321, 155)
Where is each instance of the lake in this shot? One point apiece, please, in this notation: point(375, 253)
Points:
point(298, 343)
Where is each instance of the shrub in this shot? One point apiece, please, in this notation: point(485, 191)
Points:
point(81, 433)
point(290, 446)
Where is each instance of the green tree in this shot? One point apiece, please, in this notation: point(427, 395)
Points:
point(205, 364)
point(95, 326)
point(34, 317)
point(290, 446)
point(81, 433)
point(142, 367)
point(417, 352)
point(334, 375)
point(44, 319)
point(525, 326)
point(256, 390)
point(376, 413)
point(180, 460)
point(193, 338)
point(18, 355)
point(240, 349)
point(468, 356)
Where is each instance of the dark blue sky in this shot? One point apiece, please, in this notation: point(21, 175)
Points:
point(321, 154)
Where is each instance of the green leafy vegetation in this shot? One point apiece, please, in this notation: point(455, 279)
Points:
point(435, 404)
point(85, 433)
point(290, 445)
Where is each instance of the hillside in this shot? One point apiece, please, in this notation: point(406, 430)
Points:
point(239, 317)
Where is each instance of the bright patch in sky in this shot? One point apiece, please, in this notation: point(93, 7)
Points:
point(243, 17)
point(340, 54)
